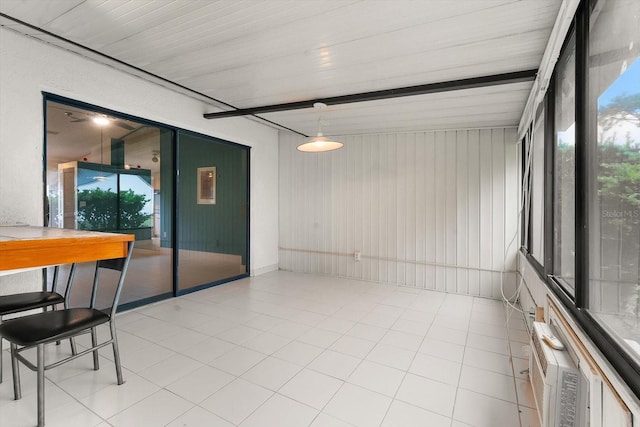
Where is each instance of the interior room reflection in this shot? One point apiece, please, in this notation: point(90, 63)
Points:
point(103, 174)
point(110, 174)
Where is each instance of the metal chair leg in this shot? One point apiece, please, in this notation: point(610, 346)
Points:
point(1, 370)
point(116, 354)
point(94, 343)
point(15, 370)
point(74, 348)
point(53, 308)
point(40, 385)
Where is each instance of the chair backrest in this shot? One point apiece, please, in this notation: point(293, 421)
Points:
point(56, 276)
point(67, 291)
point(116, 264)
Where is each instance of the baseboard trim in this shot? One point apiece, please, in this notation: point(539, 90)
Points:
point(263, 270)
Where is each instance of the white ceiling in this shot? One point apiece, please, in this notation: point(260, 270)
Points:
point(252, 53)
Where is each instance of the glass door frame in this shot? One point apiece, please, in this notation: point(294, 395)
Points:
point(177, 290)
point(176, 131)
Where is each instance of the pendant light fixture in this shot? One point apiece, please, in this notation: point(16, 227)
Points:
point(102, 176)
point(319, 143)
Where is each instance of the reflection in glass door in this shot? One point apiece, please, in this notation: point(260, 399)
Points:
point(107, 173)
point(211, 214)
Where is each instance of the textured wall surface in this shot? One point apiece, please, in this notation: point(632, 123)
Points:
point(433, 210)
point(30, 67)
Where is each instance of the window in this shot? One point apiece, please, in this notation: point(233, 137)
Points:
point(590, 211)
point(537, 189)
point(614, 188)
point(564, 168)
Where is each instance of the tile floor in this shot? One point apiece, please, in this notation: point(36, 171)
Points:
point(287, 349)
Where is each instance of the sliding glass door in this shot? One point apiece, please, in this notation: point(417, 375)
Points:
point(212, 220)
point(109, 172)
point(113, 174)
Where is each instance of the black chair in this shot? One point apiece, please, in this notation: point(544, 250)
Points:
point(18, 303)
point(36, 330)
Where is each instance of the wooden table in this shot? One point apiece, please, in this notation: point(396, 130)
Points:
point(25, 247)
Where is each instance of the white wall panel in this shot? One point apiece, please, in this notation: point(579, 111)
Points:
point(511, 210)
point(439, 202)
point(425, 209)
point(462, 212)
point(473, 213)
point(29, 67)
point(486, 204)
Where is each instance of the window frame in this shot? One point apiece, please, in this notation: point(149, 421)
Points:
point(541, 114)
point(551, 134)
point(527, 221)
point(577, 304)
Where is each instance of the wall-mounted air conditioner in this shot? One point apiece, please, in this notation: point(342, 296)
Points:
point(556, 381)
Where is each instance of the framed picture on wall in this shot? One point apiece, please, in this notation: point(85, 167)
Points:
point(207, 185)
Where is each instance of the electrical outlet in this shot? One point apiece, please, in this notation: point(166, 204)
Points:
point(357, 256)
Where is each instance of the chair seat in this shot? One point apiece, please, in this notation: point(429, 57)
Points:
point(51, 326)
point(16, 303)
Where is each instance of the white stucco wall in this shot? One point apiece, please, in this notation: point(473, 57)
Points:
point(29, 67)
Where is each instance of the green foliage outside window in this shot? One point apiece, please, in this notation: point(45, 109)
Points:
point(619, 194)
point(105, 210)
point(619, 175)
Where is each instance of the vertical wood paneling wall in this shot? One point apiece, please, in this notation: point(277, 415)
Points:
point(430, 210)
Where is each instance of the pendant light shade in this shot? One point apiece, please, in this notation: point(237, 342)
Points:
point(319, 143)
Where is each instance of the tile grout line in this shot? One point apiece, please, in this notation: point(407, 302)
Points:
point(302, 368)
point(515, 383)
point(233, 304)
point(358, 365)
point(464, 351)
point(344, 334)
point(411, 363)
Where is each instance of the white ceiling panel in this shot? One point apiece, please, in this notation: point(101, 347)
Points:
point(249, 53)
